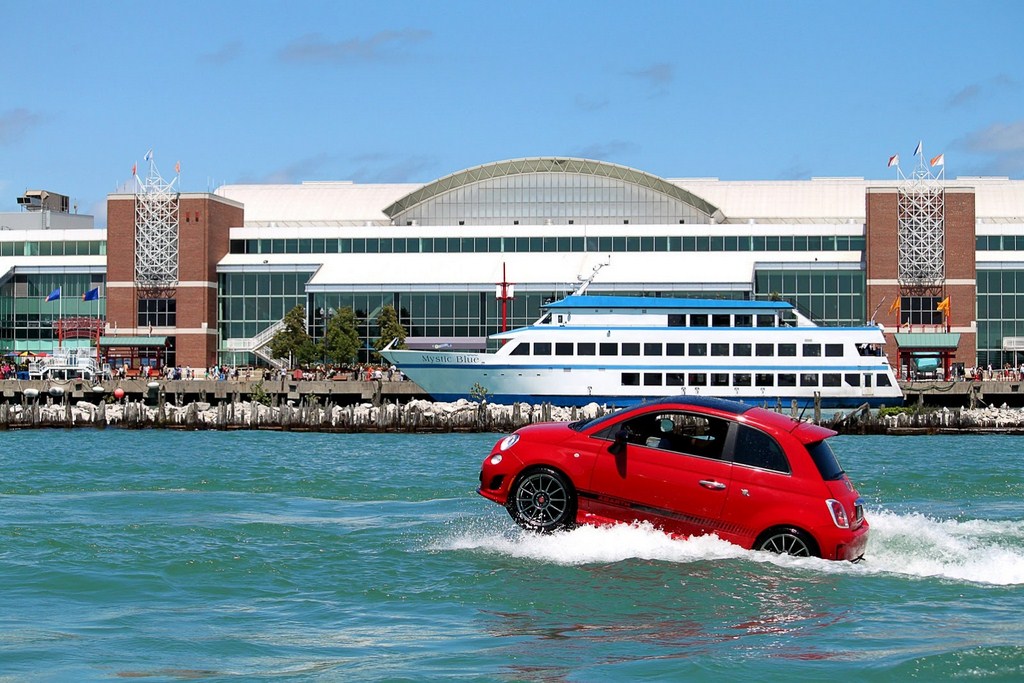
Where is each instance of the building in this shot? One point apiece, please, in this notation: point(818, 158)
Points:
point(939, 263)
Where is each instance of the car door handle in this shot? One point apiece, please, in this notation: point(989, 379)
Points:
point(712, 484)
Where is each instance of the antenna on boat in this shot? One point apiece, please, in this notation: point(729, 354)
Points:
point(585, 282)
point(875, 312)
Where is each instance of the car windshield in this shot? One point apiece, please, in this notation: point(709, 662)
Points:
point(580, 425)
point(825, 460)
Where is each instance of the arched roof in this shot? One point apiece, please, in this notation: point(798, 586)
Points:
point(551, 165)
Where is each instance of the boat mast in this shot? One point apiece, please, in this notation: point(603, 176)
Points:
point(585, 282)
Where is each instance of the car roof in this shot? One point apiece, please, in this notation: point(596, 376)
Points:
point(721, 404)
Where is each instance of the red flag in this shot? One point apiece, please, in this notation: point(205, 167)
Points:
point(134, 169)
point(177, 167)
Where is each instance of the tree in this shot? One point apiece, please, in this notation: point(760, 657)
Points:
point(341, 341)
point(293, 342)
point(390, 329)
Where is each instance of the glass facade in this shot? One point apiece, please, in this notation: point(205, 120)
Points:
point(605, 244)
point(27, 319)
point(831, 297)
point(535, 198)
point(250, 302)
point(1000, 314)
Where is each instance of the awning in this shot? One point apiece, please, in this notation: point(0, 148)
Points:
point(133, 341)
point(928, 341)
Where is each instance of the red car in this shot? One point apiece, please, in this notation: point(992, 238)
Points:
point(689, 466)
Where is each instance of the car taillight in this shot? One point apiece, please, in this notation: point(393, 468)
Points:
point(838, 513)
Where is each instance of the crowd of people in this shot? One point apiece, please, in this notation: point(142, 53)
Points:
point(224, 373)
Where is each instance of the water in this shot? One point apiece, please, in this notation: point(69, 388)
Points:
point(276, 556)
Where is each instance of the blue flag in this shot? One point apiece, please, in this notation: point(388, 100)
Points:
point(91, 295)
point(54, 295)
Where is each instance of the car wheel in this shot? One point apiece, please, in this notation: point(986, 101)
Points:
point(788, 541)
point(542, 500)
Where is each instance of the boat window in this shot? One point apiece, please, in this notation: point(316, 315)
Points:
point(675, 349)
point(721, 320)
point(652, 349)
point(813, 350)
point(882, 380)
point(586, 349)
point(764, 379)
point(787, 349)
point(764, 320)
point(563, 348)
point(545, 319)
point(831, 379)
point(631, 379)
point(764, 350)
point(808, 379)
point(652, 379)
point(675, 379)
point(869, 349)
point(630, 348)
point(787, 379)
point(542, 348)
point(697, 379)
point(719, 379)
point(743, 320)
point(741, 349)
point(754, 448)
point(698, 320)
point(719, 349)
point(609, 349)
point(699, 349)
point(852, 379)
point(521, 349)
point(741, 379)
point(677, 320)
point(834, 350)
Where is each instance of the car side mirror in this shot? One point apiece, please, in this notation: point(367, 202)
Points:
point(618, 446)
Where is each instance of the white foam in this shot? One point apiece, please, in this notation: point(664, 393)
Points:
point(913, 545)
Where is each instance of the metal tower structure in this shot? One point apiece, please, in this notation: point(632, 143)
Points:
point(922, 229)
point(156, 229)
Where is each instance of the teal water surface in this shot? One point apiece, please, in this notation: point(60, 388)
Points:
point(281, 556)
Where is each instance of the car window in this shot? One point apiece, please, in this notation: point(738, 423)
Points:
point(678, 432)
point(757, 449)
point(825, 460)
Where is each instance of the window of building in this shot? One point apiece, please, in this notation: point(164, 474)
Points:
point(157, 313)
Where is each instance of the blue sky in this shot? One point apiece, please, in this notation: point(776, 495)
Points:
point(410, 91)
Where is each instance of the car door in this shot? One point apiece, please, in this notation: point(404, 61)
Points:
point(669, 472)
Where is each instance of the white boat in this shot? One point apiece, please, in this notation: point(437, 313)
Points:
point(621, 350)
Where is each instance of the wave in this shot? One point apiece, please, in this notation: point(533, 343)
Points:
point(911, 545)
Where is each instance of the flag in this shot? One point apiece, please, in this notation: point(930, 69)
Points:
point(939, 160)
point(894, 160)
point(149, 155)
point(943, 306)
point(54, 295)
point(177, 167)
point(91, 295)
point(135, 168)
point(917, 150)
point(895, 305)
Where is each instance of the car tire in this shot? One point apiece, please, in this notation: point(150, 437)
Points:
point(787, 541)
point(543, 500)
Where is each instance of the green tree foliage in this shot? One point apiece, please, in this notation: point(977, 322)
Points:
point(293, 342)
point(341, 338)
point(390, 329)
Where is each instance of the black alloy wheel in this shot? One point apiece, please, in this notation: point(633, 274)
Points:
point(542, 500)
